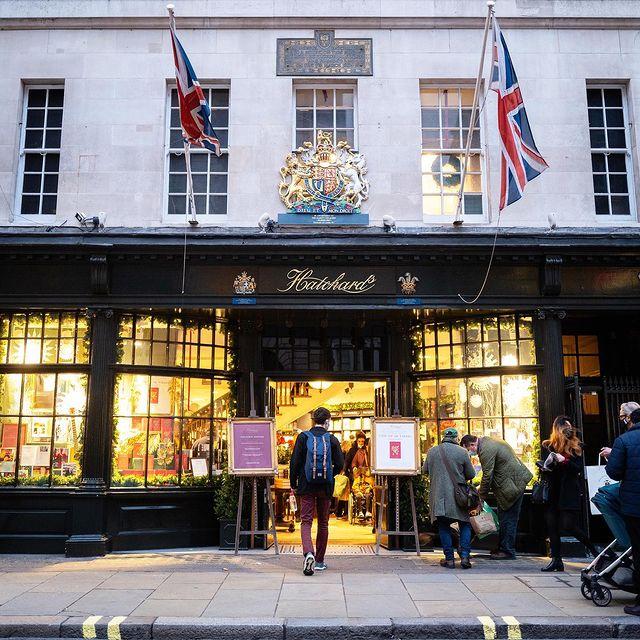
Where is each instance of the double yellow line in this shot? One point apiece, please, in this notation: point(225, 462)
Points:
point(113, 627)
point(489, 627)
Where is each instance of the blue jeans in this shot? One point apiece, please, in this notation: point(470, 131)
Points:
point(508, 520)
point(444, 529)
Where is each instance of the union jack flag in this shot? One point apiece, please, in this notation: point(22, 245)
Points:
point(521, 160)
point(195, 114)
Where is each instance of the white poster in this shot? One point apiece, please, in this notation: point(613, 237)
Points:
point(395, 446)
point(199, 467)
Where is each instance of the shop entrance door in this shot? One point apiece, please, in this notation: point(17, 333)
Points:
point(353, 405)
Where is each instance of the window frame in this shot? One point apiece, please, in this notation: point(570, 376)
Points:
point(485, 218)
point(628, 151)
point(353, 86)
point(19, 217)
point(215, 376)
point(209, 218)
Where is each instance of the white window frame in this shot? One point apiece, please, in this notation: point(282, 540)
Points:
point(19, 217)
point(324, 85)
point(607, 219)
point(485, 218)
point(211, 218)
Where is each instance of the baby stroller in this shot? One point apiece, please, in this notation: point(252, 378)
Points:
point(611, 568)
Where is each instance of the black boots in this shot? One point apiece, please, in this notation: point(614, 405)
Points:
point(556, 564)
point(448, 564)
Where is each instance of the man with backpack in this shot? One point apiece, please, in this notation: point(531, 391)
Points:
point(316, 459)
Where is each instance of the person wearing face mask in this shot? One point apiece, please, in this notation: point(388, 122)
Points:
point(626, 409)
point(562, 455)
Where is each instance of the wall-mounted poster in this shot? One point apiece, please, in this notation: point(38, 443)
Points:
point(252, 447)
point(395, 446)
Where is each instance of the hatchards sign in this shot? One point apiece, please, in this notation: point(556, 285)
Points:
point(305, 281)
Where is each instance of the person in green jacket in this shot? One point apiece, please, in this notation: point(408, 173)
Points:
point(505, 476)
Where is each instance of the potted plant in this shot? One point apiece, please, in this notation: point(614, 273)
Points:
point(225, 506)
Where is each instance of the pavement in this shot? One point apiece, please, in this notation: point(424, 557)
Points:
point(208, 594)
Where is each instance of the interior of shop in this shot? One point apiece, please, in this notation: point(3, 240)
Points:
point(353, 405)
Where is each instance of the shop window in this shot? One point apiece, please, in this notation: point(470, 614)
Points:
point(446, 117)
point(610, 150)
point(581, 356)
point(169, 428)
point(501, 406)
point(330, 109)
point(166, 428)
point(494, 341)
point(40, 150)
point(164, 341)
point(208, 171)
point(42, 412)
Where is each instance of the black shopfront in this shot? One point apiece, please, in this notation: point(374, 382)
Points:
point(115, 386)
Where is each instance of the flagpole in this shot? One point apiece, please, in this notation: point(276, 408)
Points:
point(474, 112)
point(191, 216)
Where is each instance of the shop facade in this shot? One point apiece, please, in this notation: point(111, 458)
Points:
point(116, 387)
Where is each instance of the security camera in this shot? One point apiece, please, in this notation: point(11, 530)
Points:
point(266, 223)
point(389, 224)
point(91, 222)
point(551, 219)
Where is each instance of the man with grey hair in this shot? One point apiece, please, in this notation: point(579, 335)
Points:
point(626, 409)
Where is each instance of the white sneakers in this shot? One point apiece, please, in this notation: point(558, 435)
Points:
point(309, 564)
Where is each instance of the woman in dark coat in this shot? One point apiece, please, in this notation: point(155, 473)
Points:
point(562, 455)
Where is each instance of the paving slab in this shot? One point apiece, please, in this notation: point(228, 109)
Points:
point(196, 577)
point(195, 591)
point(10, 591)
point(437, 578)
point(109, 602)
point(436, 591)
point(152, 607)
point(319, 591)
point(458, 608)
point(387, 605)
point(323, 577)
point(372, 584)
point(135, 580)
point(310, 608)
point(518, 604)
point(33, 604)
point(255, 581)
point(249, 603)
point(494, 585)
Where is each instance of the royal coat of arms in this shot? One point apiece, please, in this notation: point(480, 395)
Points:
point(244, 284)
point(326, 179)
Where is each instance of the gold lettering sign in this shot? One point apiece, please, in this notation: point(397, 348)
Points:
point(303, 280)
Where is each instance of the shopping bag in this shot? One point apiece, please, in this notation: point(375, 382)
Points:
point(596, 477)
point(484, 523)
point(341, 484)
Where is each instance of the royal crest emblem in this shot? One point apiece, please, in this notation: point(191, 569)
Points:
point(408, 283)
point(324, 179)
point(244, 284)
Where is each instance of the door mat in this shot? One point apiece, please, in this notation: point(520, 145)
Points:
point(333, 550)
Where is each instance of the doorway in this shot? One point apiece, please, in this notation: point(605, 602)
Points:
point(353, 405)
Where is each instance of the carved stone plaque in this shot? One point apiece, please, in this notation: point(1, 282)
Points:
point(324, 55)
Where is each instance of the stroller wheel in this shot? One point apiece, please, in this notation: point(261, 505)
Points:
point(585, 590)
point(601, 596)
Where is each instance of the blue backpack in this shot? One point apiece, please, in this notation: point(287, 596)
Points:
point(318, 466)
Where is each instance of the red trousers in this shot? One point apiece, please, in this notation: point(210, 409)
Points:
point(314, 504)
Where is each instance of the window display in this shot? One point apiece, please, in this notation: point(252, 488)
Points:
point(42, 413)
point(169, 430)
point(504, 406)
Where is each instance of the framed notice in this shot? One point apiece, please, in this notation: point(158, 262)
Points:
point(252, 447)
point(395, 446)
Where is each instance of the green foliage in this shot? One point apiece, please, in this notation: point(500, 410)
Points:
point(119, 480)
point(65, 481)
point(225, 498)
